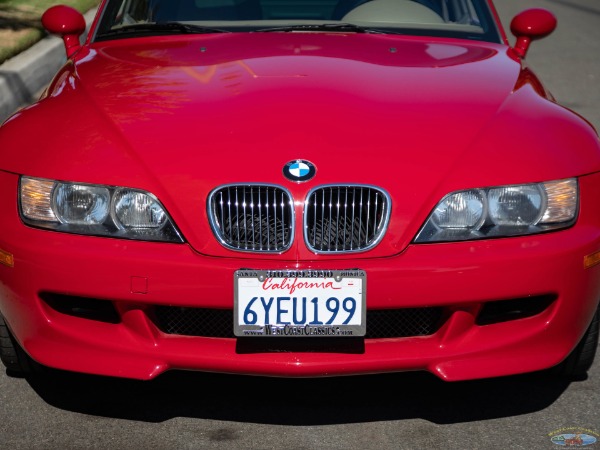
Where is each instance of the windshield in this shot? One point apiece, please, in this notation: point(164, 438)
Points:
point(470, 19)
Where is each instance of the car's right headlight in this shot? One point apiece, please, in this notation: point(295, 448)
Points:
point(513, 210)
point(96, 210)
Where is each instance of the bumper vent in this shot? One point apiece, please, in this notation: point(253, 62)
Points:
point(341, 219)
point(393, 323)
point(254, 218)
point(82, 307)
point(514, 309)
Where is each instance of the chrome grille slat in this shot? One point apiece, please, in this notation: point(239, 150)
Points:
point(346, 210)
point(245, 216)
point(358, 226)
point(252, 216)
point(322, 222)
point(314, 215)
point(237, 215)
point(251, 222)
point(267, 211)
point(360, 216)
point(367, 219)
point(260, 222)
point(337, 229)
point(283, 211)
point(330, 210)
point(353, 213)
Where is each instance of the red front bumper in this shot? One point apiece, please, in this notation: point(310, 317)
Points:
point(459, 277)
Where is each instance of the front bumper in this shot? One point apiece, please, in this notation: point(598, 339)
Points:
point(460, 278)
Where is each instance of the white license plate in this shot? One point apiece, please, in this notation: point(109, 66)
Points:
point(300, 303)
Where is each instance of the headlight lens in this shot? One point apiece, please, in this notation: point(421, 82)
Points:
point(460, 210)
point(95, 210)
point(138, 210)
point(78, 204)
point(502, 211)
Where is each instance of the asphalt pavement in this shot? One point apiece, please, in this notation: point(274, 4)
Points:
point(395, 411)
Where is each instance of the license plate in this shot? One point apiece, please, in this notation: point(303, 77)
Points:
point(300, 303)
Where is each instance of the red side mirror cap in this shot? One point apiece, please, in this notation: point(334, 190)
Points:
point(66, 22)
point(530, 25)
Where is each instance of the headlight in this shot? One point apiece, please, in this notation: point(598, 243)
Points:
point(95, 210)
point(502, 211)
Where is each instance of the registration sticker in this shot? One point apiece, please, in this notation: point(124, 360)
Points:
point(301, 303)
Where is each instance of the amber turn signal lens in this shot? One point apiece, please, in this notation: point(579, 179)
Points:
point(591, 260)
point(7, 258)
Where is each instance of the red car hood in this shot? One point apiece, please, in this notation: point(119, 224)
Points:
point(183, 116)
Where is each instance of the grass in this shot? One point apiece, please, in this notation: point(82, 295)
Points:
point(20, 22)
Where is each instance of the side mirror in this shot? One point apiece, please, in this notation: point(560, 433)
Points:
point(530, 25)
point(66, 22)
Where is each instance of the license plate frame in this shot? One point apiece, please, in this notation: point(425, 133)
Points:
point(289, 297)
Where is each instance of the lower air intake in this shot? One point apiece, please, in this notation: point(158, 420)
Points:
point(387, 323)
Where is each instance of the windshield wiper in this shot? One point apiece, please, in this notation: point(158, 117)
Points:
point(160, 28)
point(333, 27)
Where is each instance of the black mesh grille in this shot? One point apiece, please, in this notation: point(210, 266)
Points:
point(394, 323)
point(195, 321)
point(252, 218)
point(345, 218)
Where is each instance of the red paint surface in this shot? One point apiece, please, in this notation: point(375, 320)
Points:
point(67, 22)
point(530, 25)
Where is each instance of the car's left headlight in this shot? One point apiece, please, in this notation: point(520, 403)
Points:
point(96, 210)
point(513, 210)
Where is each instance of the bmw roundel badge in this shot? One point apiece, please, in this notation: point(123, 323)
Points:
point(299, 170)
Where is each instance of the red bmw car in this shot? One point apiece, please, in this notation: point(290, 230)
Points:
point(299, 188)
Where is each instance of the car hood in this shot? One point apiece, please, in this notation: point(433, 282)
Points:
point(185, 115)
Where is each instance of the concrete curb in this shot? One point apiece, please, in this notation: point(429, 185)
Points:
point(25, 75)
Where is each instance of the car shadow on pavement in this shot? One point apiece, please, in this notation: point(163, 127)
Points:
point(303, 402)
